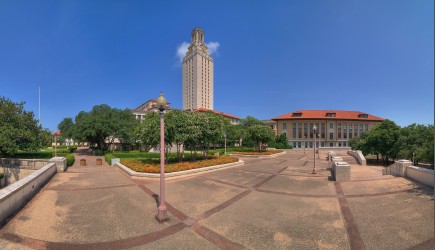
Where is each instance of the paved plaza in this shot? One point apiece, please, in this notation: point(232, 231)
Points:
point(270, 203)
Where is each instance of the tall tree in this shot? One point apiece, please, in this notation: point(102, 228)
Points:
point(260, 134)
point(19, 130)
point(104, 125)
point(66, 127)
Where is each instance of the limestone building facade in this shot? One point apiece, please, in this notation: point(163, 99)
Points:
point(144, 108)
point(334, 127)
point(197, 67)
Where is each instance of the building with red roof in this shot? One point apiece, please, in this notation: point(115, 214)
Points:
point(334, 127)
point(233, 119)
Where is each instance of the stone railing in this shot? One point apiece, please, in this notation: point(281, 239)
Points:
point(14, 196)
point(32, 164)
point(358, 156)
point(17, 169)
point(404, 168)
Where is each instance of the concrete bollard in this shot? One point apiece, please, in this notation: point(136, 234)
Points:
point(99, 162)
point(82, 162)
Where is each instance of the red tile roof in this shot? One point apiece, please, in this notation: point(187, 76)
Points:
point(216, 112)
point(57, 133)
point(322, 114)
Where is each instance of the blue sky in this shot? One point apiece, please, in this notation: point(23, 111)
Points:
point(271, 57)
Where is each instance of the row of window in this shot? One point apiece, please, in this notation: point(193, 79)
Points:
point(307, 132)
point(310, 144)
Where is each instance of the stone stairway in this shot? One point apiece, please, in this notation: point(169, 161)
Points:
point(349, 159)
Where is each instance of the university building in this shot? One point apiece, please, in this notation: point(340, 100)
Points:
point(197, 74)
point(144, 108)
point(334, 127)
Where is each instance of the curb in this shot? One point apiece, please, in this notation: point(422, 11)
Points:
point(179, 173)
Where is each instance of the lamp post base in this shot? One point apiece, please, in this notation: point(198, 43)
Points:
point(314, 172)
point(162, 215)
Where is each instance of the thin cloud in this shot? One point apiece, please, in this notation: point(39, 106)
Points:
point(182, 49)
point(213, 47)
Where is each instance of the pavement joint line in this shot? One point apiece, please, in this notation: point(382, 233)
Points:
point(261, 183)
point(224, 182)
point(353, 234)
point(281, 170)
point(295, 194)
point(107, 245)
point(88, 188)
point(308, 174)
point(382, 193)
point(305, 163)
point(216, 238)
point(222, 206)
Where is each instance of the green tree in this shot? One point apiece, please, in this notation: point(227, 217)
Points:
point(66, 127)
point(416, 142)
point(148, 132)
point(382, 139)
point(104, 125)
point(19, 130)
point(250, 121)
point(259, 134)
point(45, 137)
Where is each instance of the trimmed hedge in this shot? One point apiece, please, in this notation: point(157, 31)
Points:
point(70, 159)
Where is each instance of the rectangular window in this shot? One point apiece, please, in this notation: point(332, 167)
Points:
point(331, 125)
point(360, 129)
point(311, 144)
point(305, 130)
point(323, 130)
point(300, 130)
point(294, 130)
point(355, 130)
point(339, 131)
point(339, 144)
point(367, 127)
point(284, 126)
point(350, 131)
point(299, 144)
point(311, 130)
point(294, 144)
point(331, 136)
point(322, 144)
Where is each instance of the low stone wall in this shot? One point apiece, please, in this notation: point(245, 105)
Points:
point(336, 149)
point(340, 170)
point(359, 156)
point(179, 173)
point(404, 168)
point(33, 164)
point(423, 175)
point(13, 175)
point(14, 196)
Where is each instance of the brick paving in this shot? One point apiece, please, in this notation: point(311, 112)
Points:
point(270, 203)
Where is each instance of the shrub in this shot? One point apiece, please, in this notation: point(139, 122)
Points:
point(98, 152)
point(2, 175)
point(70, 159)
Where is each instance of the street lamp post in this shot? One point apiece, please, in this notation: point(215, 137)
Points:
point(314, 132)
point(162, 212)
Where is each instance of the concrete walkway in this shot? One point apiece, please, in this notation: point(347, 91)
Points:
point(266, 204)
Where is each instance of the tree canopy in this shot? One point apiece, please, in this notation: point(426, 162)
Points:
point(102, 126)
point(19, 130)
point(393, 142)
point(260, 134)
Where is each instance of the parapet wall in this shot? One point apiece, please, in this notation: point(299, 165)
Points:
point(359, 156)
point(404, 168)
point(33, 164)
point(14, 196)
